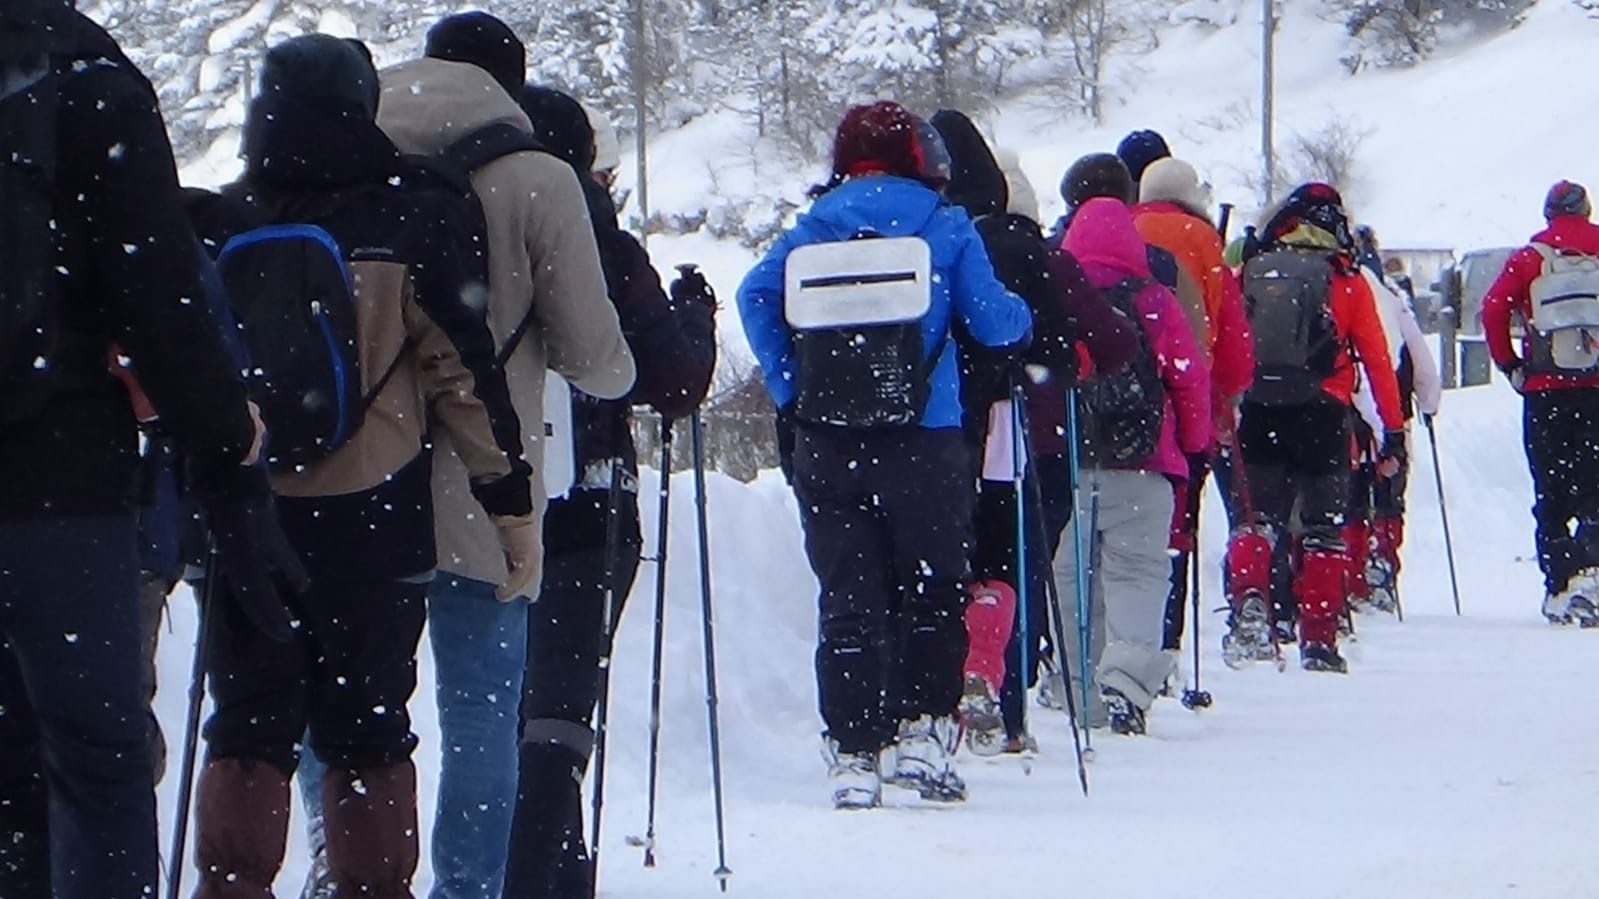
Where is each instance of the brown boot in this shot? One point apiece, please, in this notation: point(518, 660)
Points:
point(371, 827)
point(242, 823)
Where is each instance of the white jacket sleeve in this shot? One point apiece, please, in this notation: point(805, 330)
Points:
point(1428, 386)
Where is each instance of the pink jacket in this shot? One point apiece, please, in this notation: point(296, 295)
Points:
point(1103, 239)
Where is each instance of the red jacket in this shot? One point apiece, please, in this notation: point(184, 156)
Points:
point(1354, 312)
point(1510, 296)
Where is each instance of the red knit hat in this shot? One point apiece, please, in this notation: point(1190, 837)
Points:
point(880, 137)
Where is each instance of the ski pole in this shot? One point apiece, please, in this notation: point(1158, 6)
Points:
point(1225, 220)
point(1195, 697)
point(1035, 498)
point(1019, 466)
point(1443, 510)
point(658, 654)
point(613, 541)
point(722, 872)
point(1084, 608)
point(191, 727)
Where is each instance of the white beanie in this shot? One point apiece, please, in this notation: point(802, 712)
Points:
point(1173, 181)
point(1023, 199)
point(607, 149)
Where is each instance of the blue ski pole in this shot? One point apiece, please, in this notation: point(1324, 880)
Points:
point(1023, 606)
point(1084, 607)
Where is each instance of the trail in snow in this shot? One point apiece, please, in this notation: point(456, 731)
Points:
point(1459, 758)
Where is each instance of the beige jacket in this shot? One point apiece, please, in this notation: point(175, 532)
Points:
point(542, 257)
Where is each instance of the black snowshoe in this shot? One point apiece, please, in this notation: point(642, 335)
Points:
point(1583, 611)
point(1319, 657)
point(1126, 718)
point(1249, 636)
point(1384, 584)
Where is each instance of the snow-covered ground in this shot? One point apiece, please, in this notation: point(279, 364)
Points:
point(1457, 759)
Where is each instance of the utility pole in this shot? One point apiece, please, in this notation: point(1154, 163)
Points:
point(1268, 37)
point(641, 87)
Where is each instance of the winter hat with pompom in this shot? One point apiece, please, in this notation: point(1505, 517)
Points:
point(1096, 175)
point(484, 41)
point(1140, 149)
point(1567, 198)
point(1173, 181)
point(323, 71)
point(1023, 198)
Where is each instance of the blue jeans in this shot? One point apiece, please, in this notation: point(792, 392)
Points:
point(479, 652)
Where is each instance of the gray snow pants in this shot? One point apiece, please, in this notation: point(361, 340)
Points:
point(1130, 576)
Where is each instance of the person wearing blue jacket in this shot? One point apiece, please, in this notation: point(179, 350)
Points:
point(887, 507)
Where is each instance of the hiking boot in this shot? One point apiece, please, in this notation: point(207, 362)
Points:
point(1249, 634)
point(923, 759)
point(1019, 744)
point(981, 717)
point(1126, 718)
point(853, 779)
point(1321, 657)
point(1052, 686)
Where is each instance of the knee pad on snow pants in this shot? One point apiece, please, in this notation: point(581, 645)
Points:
point(1321, 587)
point(372, 830)
point(990, 616)
point(1357, 544)
point(242, 828)
point(1249, 561)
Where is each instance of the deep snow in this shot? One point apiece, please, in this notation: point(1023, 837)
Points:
point(1457, 759)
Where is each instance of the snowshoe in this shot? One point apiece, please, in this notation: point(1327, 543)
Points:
point(1320, 657)
point(1582, 611)
point(1020, 744)
point(1284, 633)
point(319, 879)
point(1249, 635)
point(923, 759)
point(853, 779)
point(1052, 686)
point(981, 717)
point(1384, 584)
point(1126, 718)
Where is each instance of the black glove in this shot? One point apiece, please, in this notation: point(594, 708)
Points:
point(691, 287)
point(1198, 466)
point(1516, 374)
point(1394, 448)
point(255, 562)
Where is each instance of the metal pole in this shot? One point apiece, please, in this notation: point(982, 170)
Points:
point(1443, 510)
point(1268, 35)
point(641, 87)
point(658, 656)
point(602, 730)
point(722, 872)
point(191, 730)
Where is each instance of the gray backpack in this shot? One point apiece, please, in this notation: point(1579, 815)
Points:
point(1287, 301)
point(1565, 313)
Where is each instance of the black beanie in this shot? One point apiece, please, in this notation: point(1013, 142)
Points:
point(560, 124)
point(323, 71)
point(1096, 175)
point(484, 41)
point(1141, 148)
point(33, 26)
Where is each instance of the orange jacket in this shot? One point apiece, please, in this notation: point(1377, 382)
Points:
point(1354, 312)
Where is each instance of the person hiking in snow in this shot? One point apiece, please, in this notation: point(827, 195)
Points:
point(673, 342)
point(95, 252)
point(1171, 215)
point(1139, 150)
point(1375, 528)
point(1313, 317)
point(1557, 374)
point(1075, 333)
point(881, 469)
point(456, 110)
point(1136, 427)
point(333, 206)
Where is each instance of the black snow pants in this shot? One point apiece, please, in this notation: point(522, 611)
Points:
point(888, 528)
point(1561, 430)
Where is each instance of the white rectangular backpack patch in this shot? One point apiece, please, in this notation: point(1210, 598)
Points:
point(872, 281)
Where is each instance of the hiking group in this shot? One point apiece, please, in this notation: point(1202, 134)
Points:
point(384, 381)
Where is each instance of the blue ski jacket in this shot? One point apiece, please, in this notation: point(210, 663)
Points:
point(965, 289)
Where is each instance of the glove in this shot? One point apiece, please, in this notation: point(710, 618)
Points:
point(1394, 453)
point(691, 287)
point(255, 562)
point(1516, 374)
point(519, 540)
point(1198, 466)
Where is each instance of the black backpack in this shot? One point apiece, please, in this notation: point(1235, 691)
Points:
point(32, 357)
point(1123, 412)
point(453, 169)
point(294, 297)
point(1287, 301)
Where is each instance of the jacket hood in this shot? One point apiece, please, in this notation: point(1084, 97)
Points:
point(1102, 233)
point(429, 104)
point(293, 145)
point(887, 204)
point(977, 183)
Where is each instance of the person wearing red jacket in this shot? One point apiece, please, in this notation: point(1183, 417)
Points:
point(1294, 433)
point(1561, 411)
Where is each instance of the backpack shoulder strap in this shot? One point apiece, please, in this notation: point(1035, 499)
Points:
point(477, 149)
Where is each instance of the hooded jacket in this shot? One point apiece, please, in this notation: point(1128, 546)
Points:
point(1510, 297)
point(542, 261)
point(1104, 240)
point(966, 293)
point(1193, 240)
point(1068, 311)
point(364, 510)
point(129, 273)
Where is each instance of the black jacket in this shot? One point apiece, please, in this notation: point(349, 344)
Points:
point(311, 164)
point(129, 276)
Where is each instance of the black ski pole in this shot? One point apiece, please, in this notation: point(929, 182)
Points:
point(1035, 498)
point(613, 542)
point(1443, 510)
point(191, 727)
point(657, 656)
point(722, 872)
point(1195, 697)
point(1225, 221)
